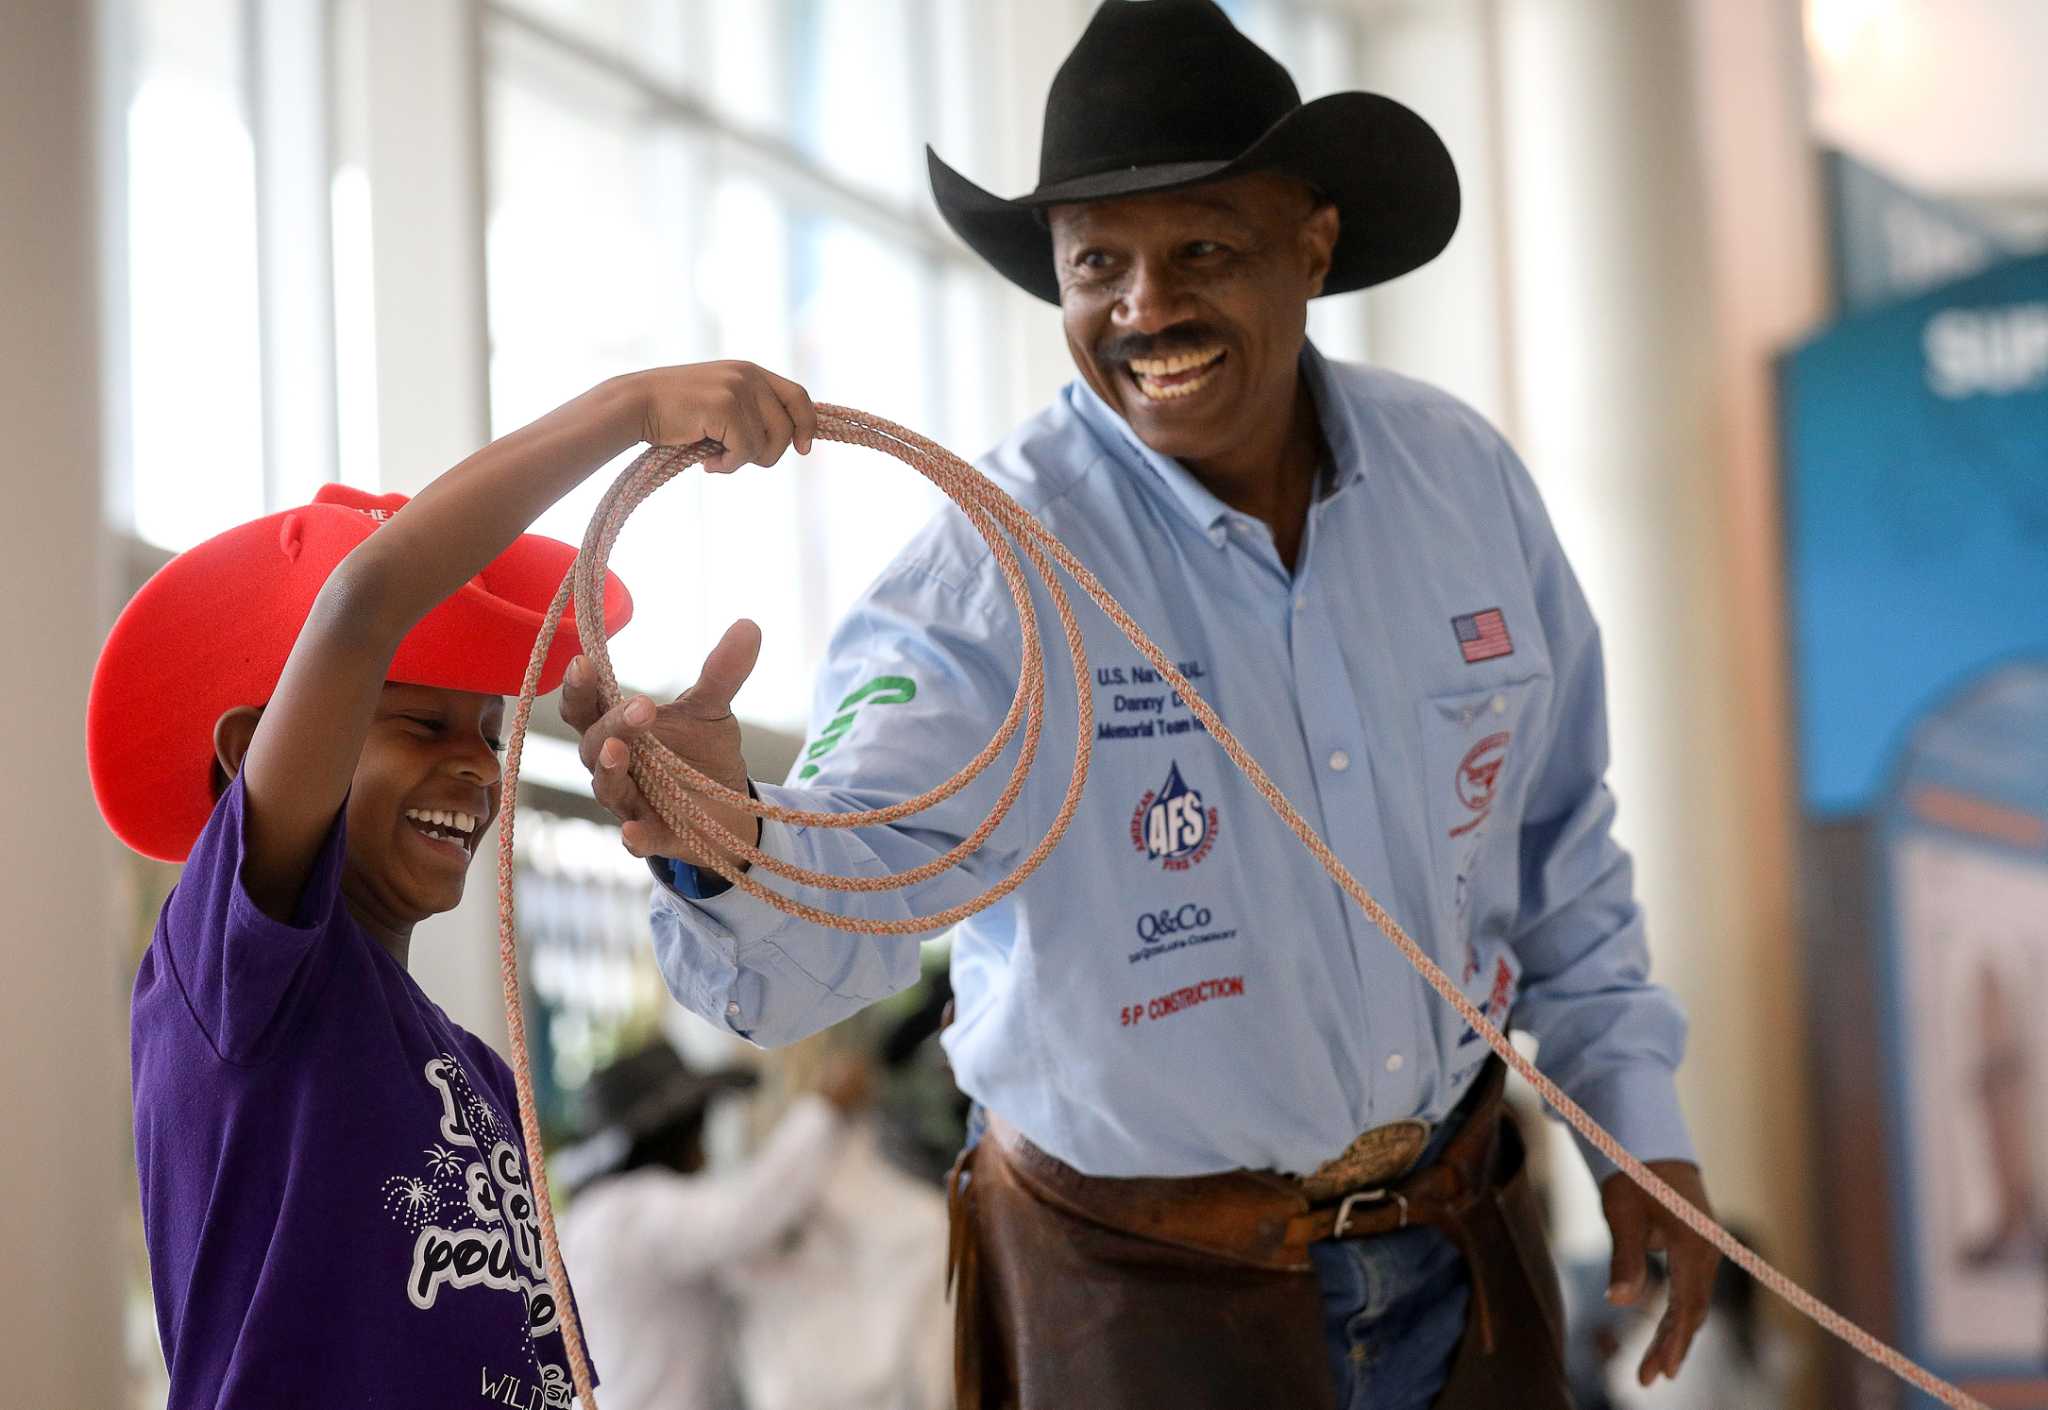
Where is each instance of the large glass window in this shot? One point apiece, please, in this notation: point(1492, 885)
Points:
point(861, 85)
point(631, 143)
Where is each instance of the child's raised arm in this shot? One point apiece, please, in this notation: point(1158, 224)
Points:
point(303, 755)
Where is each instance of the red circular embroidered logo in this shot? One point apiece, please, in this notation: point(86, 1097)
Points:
point(1478, 778)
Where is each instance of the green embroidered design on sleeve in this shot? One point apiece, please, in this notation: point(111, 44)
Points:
point(882, 690)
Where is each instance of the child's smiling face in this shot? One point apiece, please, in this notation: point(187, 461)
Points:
point(424, 796)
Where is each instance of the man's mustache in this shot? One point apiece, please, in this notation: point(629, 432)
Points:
point(1182, 337)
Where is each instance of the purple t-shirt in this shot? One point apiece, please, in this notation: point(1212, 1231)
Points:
point(334, 1189)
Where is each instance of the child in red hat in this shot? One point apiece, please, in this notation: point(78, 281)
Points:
point(307, 711)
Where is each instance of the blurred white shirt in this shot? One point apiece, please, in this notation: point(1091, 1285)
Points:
point(651, 1250)
point(851, 1313)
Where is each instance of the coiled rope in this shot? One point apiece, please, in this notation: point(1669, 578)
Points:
point(673, 787)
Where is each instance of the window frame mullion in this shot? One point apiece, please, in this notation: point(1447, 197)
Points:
point(289, 93)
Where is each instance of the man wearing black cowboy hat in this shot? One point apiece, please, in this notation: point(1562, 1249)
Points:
point(1236, 1154)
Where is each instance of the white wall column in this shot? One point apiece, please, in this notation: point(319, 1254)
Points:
point(1034, 38)
point(1766, 270)
point(420, 105)
point(1611, 206)
point(62, 1039)
point(288, 77)
point(1447, 323)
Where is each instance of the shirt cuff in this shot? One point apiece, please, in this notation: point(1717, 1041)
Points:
point(739, 914)
point(689, 882)
point(685, 880)
point(1639, 1107)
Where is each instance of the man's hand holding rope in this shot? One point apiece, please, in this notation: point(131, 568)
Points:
point(698, 726)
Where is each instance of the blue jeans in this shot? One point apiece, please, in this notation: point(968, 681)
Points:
point(1393, 1315)
point(1393, 1306)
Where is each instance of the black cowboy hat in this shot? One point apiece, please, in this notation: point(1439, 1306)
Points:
point(641, 1095)
point(1163, 94)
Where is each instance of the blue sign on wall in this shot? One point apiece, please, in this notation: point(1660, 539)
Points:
point(1916, 514)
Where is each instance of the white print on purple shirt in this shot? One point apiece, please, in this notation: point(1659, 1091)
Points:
point(501, 1248)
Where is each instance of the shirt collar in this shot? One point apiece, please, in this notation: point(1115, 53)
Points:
point(1194, 499)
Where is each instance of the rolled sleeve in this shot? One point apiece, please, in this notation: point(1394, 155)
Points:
point(1638, 1105)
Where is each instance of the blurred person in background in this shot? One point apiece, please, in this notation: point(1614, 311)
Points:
point(848, 1312)
point(654, 1236)
point(1234, 1151)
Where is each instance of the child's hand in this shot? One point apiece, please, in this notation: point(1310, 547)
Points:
point(753, 413)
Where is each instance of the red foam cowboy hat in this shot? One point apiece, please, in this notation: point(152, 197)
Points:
point(211, 631)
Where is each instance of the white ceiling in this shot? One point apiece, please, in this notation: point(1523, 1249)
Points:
point(1949, 95)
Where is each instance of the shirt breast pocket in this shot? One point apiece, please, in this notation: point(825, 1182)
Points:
point(1478, 751)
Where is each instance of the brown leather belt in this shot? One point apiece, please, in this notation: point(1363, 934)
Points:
point(1267, 1220)
point(1201, 1293)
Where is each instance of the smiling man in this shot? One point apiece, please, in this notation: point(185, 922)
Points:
point(1234, 1152)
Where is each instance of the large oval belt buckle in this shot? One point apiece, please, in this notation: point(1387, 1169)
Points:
point(1377, 1158)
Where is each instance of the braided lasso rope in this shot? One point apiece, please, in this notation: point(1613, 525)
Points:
point(674, 788)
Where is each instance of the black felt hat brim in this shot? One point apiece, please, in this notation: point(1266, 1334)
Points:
point(679, 1099)
point(1386, 170)
point(607, 1143)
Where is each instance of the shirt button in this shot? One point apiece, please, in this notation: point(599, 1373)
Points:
point(1301, 604)
point(1395, 1062)
point(1500, 704)
point(732, 1010)
point(1340, 761)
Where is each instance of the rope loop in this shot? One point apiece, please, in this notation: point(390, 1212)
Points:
point(675, 787)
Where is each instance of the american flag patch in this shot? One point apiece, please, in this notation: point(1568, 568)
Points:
point(1483, 635)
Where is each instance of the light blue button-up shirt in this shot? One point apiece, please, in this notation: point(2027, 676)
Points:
point(1181, 989)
